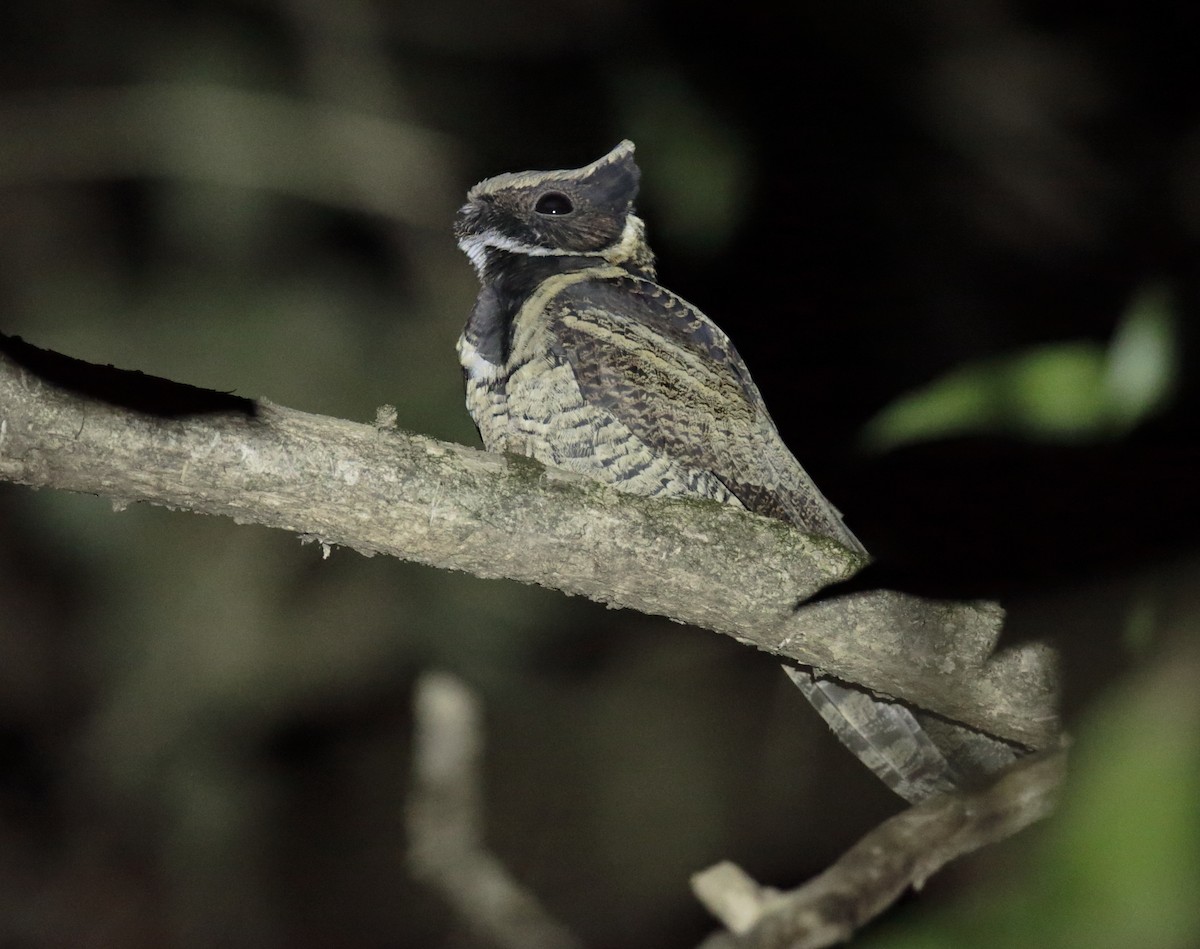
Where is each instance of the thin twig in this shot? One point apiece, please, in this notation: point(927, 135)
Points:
point(901, 852)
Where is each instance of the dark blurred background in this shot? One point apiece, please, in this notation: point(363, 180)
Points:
point(956, 244)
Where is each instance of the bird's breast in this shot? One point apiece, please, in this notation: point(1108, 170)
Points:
point(533, 405)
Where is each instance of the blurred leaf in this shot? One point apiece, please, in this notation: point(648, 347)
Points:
point(1143, 361)
point(1059, 391)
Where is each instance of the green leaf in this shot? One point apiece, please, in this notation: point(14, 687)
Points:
point(1066, 391)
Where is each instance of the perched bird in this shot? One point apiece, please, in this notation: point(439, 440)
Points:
point(574, 355)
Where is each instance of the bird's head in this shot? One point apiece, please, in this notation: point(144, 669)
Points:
point(585, 213)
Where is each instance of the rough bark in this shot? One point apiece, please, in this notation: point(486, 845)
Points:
point(378, 490)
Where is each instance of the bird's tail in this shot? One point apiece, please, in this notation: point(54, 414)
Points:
point(915, 755)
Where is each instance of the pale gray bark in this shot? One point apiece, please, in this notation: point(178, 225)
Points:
point(382, 491)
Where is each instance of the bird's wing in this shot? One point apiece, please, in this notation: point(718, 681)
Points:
point(674, 379)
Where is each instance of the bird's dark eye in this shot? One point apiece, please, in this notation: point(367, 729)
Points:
point(554, 202)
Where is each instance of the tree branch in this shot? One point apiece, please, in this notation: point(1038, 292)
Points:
point(901, 852)
point(445, 826)
point(382, 491)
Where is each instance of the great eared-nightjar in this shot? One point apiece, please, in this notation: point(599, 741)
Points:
point(574, 355)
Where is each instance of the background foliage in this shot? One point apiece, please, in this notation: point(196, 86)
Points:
point(955, 243)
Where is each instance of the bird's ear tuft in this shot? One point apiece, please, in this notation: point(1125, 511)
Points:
point(612, 181)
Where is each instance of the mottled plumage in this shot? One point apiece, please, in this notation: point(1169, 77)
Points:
point(575, 356)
